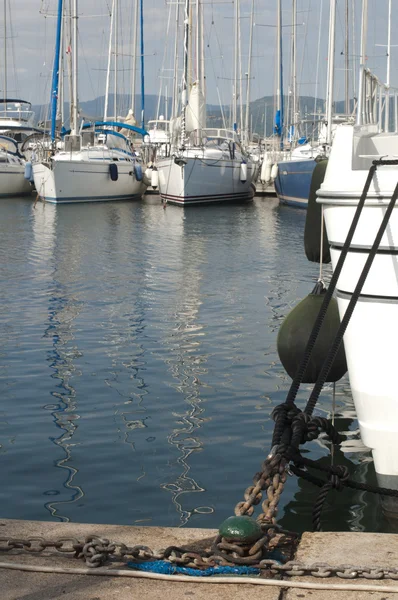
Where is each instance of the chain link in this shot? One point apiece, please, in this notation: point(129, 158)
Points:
point(271, 478)
point(96, 551)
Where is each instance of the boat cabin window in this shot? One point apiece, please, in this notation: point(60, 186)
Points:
point(88, 138)
point(72, 143)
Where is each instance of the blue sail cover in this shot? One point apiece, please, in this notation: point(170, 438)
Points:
point(278, 123)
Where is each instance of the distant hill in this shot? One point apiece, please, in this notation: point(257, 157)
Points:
point(260, 108)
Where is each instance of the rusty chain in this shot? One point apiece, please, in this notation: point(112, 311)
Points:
point(96, 551)
point(271, 478)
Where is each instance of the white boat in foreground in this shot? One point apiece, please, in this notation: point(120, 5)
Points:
point(371, 337)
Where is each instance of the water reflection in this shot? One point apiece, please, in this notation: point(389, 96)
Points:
point(149, 334)
point(62, 313)
point(181, 351)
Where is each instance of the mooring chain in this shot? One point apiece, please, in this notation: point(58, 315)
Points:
point(103, 549)
point(271, 478)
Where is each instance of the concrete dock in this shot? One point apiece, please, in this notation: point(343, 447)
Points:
point(361, 549)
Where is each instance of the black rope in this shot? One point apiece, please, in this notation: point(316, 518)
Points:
point(334, 470)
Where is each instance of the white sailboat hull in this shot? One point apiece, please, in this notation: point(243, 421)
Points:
point(203, 180)
point(67, 181)
point(12, 180)
point(371, 337)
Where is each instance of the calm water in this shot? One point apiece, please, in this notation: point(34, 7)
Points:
point(138, 364)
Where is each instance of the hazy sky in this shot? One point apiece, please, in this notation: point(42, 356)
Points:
point(30, 42)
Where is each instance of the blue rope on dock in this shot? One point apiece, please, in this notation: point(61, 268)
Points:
point(166, 568)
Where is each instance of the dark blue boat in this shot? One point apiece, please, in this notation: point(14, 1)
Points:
point(292, 184)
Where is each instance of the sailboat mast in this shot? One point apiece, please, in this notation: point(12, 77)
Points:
point(330, 80)
point(61, 94)
point(279, 78)
point(202, 51)
point(241, 120)
point(388, 45)
point(134, 74)
point(108, 70)
point(184, 95)
point(235, 91)
point(294, 71)
point(249, 74)
point(175, 72)
point(115, 82)
point(364, 31)
point(197, 65)
point(346, 66)
point(74, 114)
point(5, 56)
point(387, 114)
point(142, 65)
point(55, 78)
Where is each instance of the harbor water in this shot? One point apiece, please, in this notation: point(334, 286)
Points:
point(138, 364)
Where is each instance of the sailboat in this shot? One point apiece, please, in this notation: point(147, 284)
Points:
point(16, 121)
point(203, 165)
point(93, 162)
point(295, 169)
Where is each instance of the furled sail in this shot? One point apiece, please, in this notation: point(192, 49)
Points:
point(129, 120)
point(196, 109)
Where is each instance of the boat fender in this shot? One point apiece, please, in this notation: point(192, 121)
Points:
point(113, 172)
point(155, 178)
point(145, 180)
point(295, 331)
point(243, 172)
point(274, 171)
point(265, 175)
point(312, 229)
point(148, 174)
point(29, 172)
point(138, 171)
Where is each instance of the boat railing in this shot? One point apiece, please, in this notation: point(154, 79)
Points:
point(375, 101)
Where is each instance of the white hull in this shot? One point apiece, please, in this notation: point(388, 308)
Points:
point(12, 180)
point(371, 337)
point(66, 181)
point(204, 180)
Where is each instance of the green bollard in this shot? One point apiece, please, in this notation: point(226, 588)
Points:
point(240, 529)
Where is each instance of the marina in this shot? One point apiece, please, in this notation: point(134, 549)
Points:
point(198, 300)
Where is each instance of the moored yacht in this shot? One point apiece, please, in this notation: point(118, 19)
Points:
point(218, 170)
point(12, 169)
point(366, 152)
point(96, 165)
point(203, 165)
point(89, 163)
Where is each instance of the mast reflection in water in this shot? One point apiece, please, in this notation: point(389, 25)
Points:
point(63, 311)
